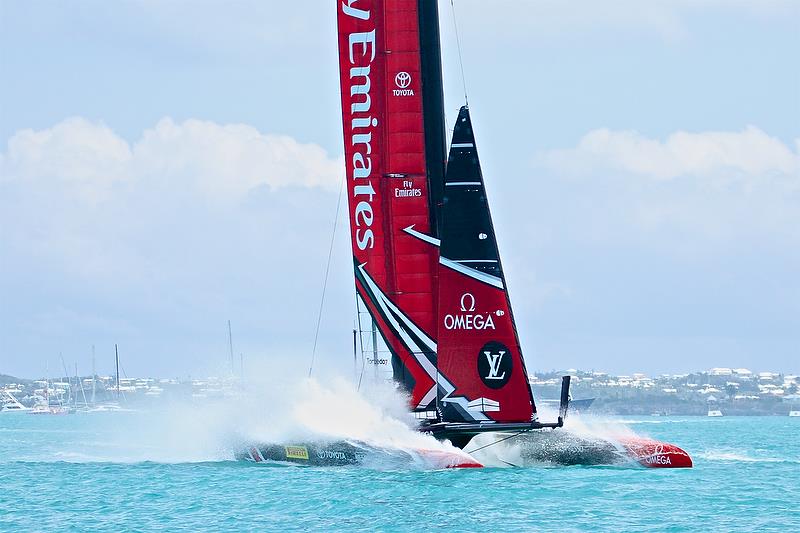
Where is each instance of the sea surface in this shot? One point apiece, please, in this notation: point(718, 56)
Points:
point(114, 472)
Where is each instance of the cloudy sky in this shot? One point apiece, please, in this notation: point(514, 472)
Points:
point(167, 166)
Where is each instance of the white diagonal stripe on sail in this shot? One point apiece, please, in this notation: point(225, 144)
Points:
point(462, 145)
point(429, 343)
point(419, 235)
point(471, 272)
point(460, 401)
point(462, 183)
point(428, 398)
point(386, 304)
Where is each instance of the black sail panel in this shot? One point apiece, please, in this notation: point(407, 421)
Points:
point(433, 106)
point(467, 234)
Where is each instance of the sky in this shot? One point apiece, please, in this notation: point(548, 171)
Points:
point(168, 166)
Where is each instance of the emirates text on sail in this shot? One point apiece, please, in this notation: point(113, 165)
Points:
point(362, 54)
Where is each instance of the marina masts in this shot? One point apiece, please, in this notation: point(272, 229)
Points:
point(116, 356)
point(230, 347)
point(94, 377)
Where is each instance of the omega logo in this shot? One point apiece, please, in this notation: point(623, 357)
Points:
point(467, 302)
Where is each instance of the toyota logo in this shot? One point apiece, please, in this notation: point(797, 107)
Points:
point(402, 80)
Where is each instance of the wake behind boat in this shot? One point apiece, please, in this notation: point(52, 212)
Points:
point(432, 297)
point(568, 449)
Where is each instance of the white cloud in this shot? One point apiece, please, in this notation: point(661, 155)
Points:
point(82, 200)
point(748, 153)
point(192, 223)
point(222, 162)
point(74, 150)
point(689, 195)
point(232, 159)
point(195, 222)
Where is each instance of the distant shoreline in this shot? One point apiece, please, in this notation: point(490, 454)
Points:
point(733, 392)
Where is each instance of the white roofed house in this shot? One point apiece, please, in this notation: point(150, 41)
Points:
point(721, 372)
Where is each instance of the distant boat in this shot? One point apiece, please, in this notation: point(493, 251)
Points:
point(9, 404)
point(44, 407)
point(49, 410)
point(794, 412)
point(713, 407)
point(107, 407)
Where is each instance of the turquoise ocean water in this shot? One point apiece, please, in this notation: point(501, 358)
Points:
point(103, 472)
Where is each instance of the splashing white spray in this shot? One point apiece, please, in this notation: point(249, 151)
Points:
point(583, 440)
point(283, 413)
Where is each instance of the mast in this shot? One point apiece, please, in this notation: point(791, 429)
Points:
point(375, 349)
point(433, 107)
point(94, 377)
point(47, 383)
point(116, 357)
point(79, 381)
point(230, 347)
point(69, 380)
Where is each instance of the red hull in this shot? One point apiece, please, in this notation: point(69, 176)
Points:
point(654, 454)
point(444, 459)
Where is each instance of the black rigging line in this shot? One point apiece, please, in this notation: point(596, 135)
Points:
point(325, 282)
point(458, 46)
point(517, 434)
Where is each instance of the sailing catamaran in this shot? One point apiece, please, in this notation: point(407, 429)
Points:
point(428, 273)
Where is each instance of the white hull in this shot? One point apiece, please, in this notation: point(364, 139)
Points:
point(49, 411)
point(11, 404)
point(714, 412)
point(794, 413)
point(10, 410)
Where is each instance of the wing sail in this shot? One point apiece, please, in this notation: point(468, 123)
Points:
point(385, 155)
point(478, 347)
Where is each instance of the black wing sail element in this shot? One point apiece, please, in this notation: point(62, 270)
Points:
point(433, 106)
point(467, 234)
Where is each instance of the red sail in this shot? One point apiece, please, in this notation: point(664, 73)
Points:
point(384, 139)
point(479, 352)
